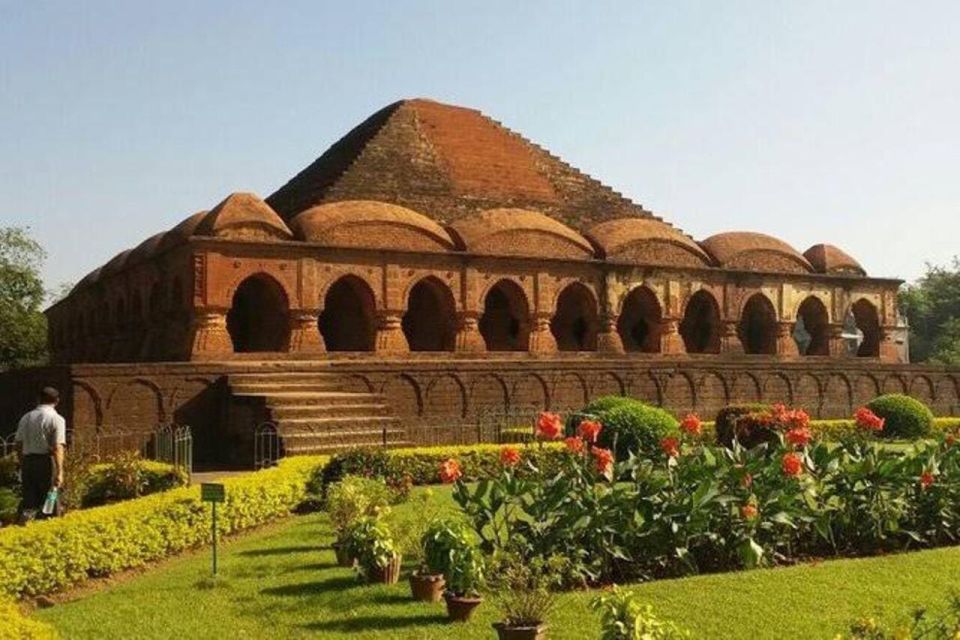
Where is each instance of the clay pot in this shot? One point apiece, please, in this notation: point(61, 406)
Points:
point(344, 559)
point(389, 574)
point(460, 608)
point(426, 587)
point(505, 632)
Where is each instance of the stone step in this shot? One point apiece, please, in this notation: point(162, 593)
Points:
point(331, 448)
point(281, 412)
point(264, 388)
point(285, 377)
point(314, 398)
point(335, 424)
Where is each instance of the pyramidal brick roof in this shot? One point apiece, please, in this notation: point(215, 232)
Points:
point(448, 162)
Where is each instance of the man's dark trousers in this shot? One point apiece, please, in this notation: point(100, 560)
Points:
point(36, 480)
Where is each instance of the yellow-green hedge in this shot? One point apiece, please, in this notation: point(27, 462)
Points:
point(51, 555)
point(835, 429)
point(16, 626)
point(476, 461)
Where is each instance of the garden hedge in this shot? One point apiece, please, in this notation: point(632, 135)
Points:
point(16, 626)
point(905, 417)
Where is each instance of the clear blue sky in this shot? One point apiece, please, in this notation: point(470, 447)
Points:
point(814, 121)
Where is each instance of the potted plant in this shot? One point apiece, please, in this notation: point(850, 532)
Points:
point(450, 549)
point(377, 559)
point(426, 581)
point(522, 592)
point(349, 500)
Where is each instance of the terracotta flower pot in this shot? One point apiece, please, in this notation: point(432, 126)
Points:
point(460, 608)
point(427, 587)
point(506, 632)
point(344, 559)
point(389, 574)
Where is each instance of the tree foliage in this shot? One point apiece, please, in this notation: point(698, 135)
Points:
point(23, 327)
point(932, 306)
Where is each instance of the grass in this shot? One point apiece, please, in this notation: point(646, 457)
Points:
point(283, 582)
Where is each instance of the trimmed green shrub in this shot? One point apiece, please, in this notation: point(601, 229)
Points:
point(9, 501)
point(905, 417)
point(126, 478)
point(628, 424)
point(15, 625)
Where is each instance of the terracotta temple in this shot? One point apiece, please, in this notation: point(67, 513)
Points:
point(436, 265)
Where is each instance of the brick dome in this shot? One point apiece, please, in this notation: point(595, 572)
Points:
point(751, 251)
point(182, 232)
point(646, 241)
point(370, 225)
point(827, 258)
point(243, 216)
point(88, 279)
point(116, 263)
point(146, 249)
point(520, 232)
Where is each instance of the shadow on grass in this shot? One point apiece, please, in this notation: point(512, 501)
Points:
point(317, 566)
point(280, 551)
point(367, 623)
point(312, 588)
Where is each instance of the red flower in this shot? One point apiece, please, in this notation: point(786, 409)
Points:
point(670, 446)
point(509, 456)
point(792, 464)
point(748, 511)
point(691, 424)
point(604, 459)
point(574, 444)
point(867, 420)
point(589, 430)
point(799, 436)
point(926, 479)
point(450, 471)
point(549, 426)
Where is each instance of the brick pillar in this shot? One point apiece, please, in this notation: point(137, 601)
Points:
point(208, 334)
point(304, 332)
point(888, 345)
point(541, 338)
point(608, 339)
point(390, 338)
point(786, 345)
point(469, 339)
point(838, 346)
point(730, 338)
point(670, 339)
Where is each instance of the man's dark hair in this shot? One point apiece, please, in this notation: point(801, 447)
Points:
point(49, 395)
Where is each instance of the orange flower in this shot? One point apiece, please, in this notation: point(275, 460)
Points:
point(574, 444)
point(792, 464)
point(799, 436)
point(926, 479)
point(867, 420)
point(589, 430)
point(509, 456)
point(450, 471)
point(691, 424)
point(746, 480)
point(604, 459)
point(950, 440)
point(748, 511)
point(549, 426)
point(670, 446)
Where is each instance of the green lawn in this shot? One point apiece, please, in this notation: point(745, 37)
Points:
point(283, 583)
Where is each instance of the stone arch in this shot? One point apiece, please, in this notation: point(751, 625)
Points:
point(87, 406)
point(505, 323)
point(645, 387)
point(806, 394)
point(922, 389)
point(776, 388)
point(529, 391)
point(488, 392)
point(865, 389)
point(948, 395)
point(156, 301)
point(429, 323)
point(575, 320)
point(403, 395)
point(746, 388)
point(445, 397)
point(712, 394)
point(607, 384)
point(258, 316)
point(569, 392)
point(136, 405)
point(119, 313)
point(700, 327)
point(837, 397)
point(348, 319)
point(813, 317)
point(680, 395)
point(894, 384)
point(758, 325)
point(867, 317)
point(640, 321)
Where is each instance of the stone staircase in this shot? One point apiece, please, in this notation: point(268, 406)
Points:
point(314, 415)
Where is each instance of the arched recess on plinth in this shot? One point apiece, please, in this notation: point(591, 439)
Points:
point(505, 323)
point(640, 321)
point(575, 322)
point(258, 316)
point(758, 326)
point(812, 331)
point(430, 321)
point(700, 327)
point(868, 322)
point(348, 320)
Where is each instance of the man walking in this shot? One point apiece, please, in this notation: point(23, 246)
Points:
point(42, 435)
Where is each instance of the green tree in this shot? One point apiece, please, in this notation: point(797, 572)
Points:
point(23, 327)
point(932, 305)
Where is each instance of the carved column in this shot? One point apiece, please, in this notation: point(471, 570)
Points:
point(838, 346)
point(608, 339)
point(670, 339)
point(786, 345)
point(304, 332)
point(209, 337)
point(889, 352)
point(469, 339)
point(390, 338)
point(541, 338)
point(730, 338)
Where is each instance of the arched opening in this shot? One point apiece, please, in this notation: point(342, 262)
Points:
point(868, 322)
point(430, 321)
point(505, 323)
point(348, 321)
point(700, 328)
point(639, 322)
point(812, 331)
point(156, 301)
point(119, 315)
point(758, 326)
point(258, 316)
point(575, 323)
